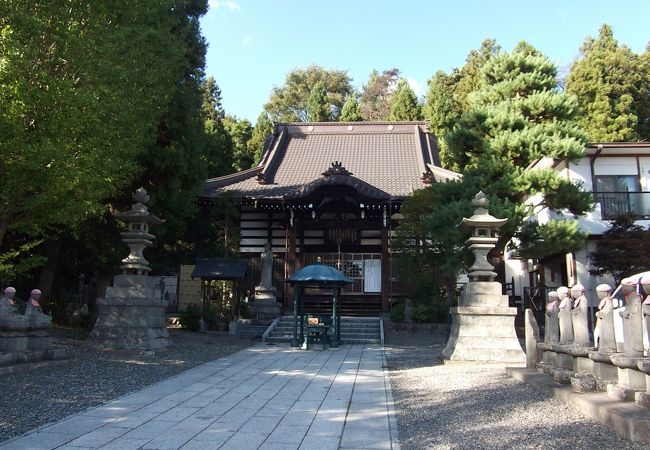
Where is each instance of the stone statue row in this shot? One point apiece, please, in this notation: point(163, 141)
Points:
point(567, 320)
point(619, 366)
point(12, 320)
point(24, 337)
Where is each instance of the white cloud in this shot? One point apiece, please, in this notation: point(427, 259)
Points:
point(246, 40)
point(226, 4)
point(415, 85)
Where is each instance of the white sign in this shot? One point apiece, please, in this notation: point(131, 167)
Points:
point(372, 275)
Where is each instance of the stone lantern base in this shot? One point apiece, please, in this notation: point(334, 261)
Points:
point(132, 315)
point(483, 327)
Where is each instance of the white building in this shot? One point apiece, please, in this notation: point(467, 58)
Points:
point(618, 175)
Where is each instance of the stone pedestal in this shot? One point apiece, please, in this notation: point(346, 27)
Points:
point(13, 341)
point(565, 361)
point(264, 309)
point(132, 315)
point(483, 327)
point(605, 372)
point(39, 340)
point(582, 364)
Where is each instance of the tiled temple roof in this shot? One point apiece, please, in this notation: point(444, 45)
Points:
point(394, 158)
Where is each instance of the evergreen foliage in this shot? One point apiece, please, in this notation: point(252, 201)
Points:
point(318, 108)
point(289, 102)
point(240, 132)
point(217, 157)
point(612, 85)
point(376, 94)
point(622, 251)
point(351, 111)
point(261, 133)
point(404, 103)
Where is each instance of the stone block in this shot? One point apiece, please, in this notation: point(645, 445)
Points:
point(582, 364)
point(58, 353)
point(582, 383)
point(532, 339)
point(631, 379)
point(642, 399)
point(8, 358)
point(605, 372)
point(621, 393)
point(136, 280)
point(565, 361)
point(16, 343)
point(561, 376)
point(39, 342)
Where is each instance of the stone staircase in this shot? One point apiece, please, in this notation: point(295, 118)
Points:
point(354, 330)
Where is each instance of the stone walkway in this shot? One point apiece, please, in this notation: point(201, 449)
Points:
point(260, 398)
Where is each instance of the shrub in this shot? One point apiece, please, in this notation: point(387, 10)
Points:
point(191, 317)
point(397, 312)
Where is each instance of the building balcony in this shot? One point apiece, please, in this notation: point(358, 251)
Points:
point(615, 204)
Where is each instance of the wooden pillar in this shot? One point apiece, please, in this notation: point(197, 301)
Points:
point(290, 262)
point(385, 269)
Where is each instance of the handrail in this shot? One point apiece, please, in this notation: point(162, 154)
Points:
point(270, 329)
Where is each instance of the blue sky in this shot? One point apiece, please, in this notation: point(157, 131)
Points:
point(254, 43)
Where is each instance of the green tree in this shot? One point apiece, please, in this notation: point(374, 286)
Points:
point(441, 109)
point(259, 138)
point(622, 251)
point(404, 103)
point(318, 108)
point(376, 94)
point(351, 111)
point(71, 133)
point(240, 132)
point(289, 102)
point(516, 117)
point(217, 157)
point(612, 85)
point(448, 95)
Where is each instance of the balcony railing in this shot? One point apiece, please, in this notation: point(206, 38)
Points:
point(615, 204)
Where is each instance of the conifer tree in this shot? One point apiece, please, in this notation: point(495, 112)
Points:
point(404, 103)
point(351, 111)
point(318, 108)
point(517, 116)
point(376, 94)
point(261, 133)
point(612, 85)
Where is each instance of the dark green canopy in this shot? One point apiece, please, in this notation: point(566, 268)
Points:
point(317, 275)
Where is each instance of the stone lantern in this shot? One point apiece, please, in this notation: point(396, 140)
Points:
point(485, 234)
point(483, 324)
point(138, 219)
point(132, 313)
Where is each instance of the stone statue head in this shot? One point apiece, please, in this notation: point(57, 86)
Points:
point(552, 298)
point(562, 292)
point(267, 246)
point(628, 286)
point(603, 290)
point(577, 290)
point(10, 292)
point(35, 294)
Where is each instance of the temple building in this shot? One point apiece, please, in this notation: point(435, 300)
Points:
point(332, 192)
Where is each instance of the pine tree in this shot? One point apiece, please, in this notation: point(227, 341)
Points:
point(351, 111)
point(318, 108)
point(240, 132)
point(404, 103)
point(517, 116)
point(612, 85)
point(261, 133)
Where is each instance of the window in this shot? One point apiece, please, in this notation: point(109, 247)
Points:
point(621, 195)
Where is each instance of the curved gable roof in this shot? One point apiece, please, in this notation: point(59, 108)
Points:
point(394, 158)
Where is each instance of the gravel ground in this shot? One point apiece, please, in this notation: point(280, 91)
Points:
point(90, 377)
point(479, 407)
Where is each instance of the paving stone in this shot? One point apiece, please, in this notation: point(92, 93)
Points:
point(39, 440)
point(98, 437)
point(122, 443)
point(288, 434)
point(244, 441)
